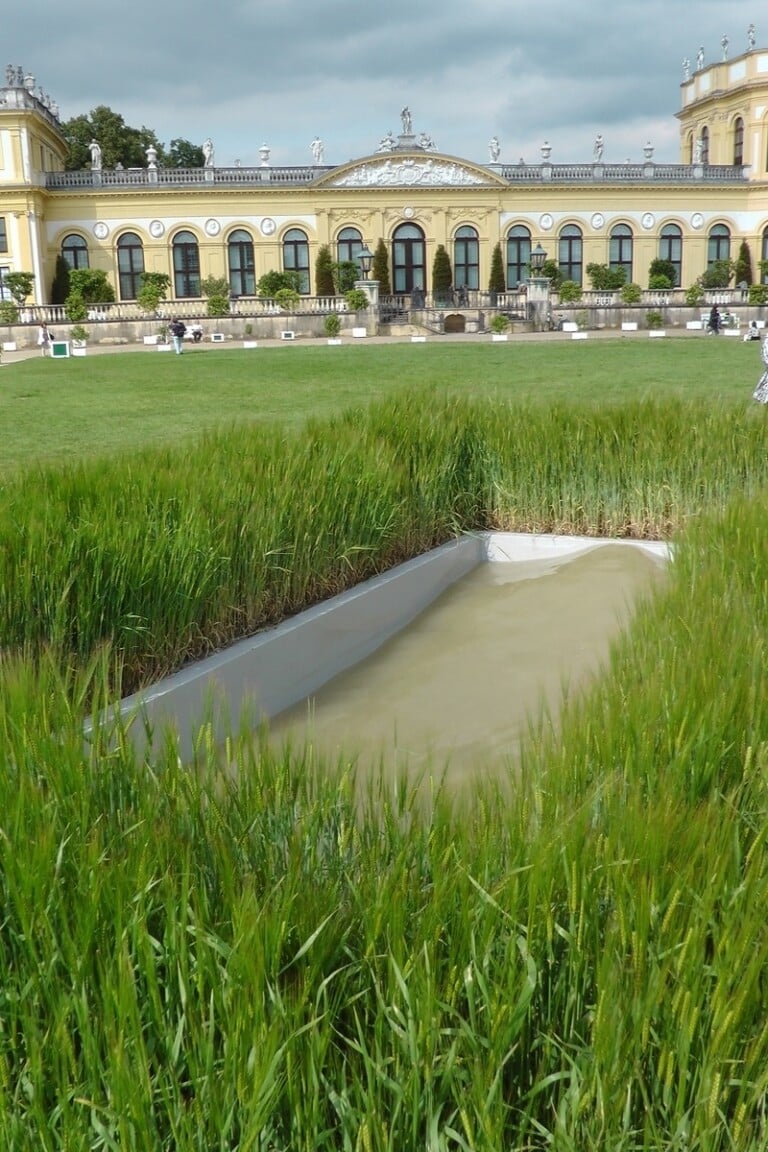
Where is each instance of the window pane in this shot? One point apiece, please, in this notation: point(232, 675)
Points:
point(130, 265)
point(3, 235)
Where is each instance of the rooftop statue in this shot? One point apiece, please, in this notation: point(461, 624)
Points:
point(407, 120)
point(494, 149)
point(208, 153)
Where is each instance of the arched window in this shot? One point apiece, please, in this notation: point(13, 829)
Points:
point(620, 250)
point(738, 141)
point(518, 255)
point(75, 251)
point(186, 265)
point(466, 258)
point(764, 256)
point(349, 245)
point(718, 244)
point(671, 249)
point(408, 256)
point(130, 264)
point(569, 253)
point(242, 281)
point(296, 256)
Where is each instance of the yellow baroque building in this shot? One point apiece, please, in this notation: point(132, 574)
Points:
point(240, 223)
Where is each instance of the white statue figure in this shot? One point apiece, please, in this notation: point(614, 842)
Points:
point(700, 59)
point(95, 149)
point(598, 151)
point(10, 76)
point(151, 156)
point(318, 150)
point(405, 116)
point(686, 68)
point(387, 144)
point(208, 153)
point(427, 143)
point(494, 148)
point(724, 46)
point(750, 37)
point(698, 150)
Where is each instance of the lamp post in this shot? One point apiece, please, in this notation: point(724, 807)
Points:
point(538, 290)
point(370, 287)
point(365, 259)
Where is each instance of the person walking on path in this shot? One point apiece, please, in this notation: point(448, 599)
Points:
point(44, 339)
point(178, 328)
point(714, 321)
point(761, 392)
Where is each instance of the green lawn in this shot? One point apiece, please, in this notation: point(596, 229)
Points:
point(54, 410)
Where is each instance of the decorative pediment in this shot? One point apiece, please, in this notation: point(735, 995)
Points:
point(416, 171)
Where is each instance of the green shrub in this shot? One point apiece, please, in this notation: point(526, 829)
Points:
point(659, 267)
point(631, 293)
point(694, 296)
point(332, 324)
point(499, 324)
point(654, 320)
point(758, 294)
point(497, 281)
point(605, 279)
point(659, 282)
point(76, 307)
point(79, 333)
point(271, 282)
point(287, 298)
point(356, 299)
point(324, 285)
point(381, 268)
point(9, 313)
point(570, 292)
point(718, 275)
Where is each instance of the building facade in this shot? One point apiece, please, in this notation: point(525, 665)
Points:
point(240, 223)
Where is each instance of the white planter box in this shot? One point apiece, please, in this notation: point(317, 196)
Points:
point(250, 344)
point(629, 326)
point(656, 333)
point(78, 349)
point(151, 339)
point(418, 339)
point(694, 325)
point(359, 333)
point(570, 326)
point(163, 347)
point(9, 346)
point(499, 338)
point(288, 335)
point(730, 332)
point(217, 337)
point(334, 340)
point(579, 335)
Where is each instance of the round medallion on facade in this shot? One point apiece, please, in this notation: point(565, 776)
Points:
point(697, 220)
point(546, 221)
point(101, 230)
point(156, 229)
point(597, 220)
point(648, 220)
point(268, 226)
point(212, 227)
point(409, 213)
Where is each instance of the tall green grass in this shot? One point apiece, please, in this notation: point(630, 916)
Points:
point(281, 958)
point(170, 554)
point(277, 961)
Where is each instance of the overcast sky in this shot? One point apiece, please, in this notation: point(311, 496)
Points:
point(281, 72)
